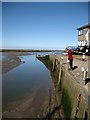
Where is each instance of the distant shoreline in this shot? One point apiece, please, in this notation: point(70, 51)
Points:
point(17, 50)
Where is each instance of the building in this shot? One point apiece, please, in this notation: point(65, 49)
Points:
point(84, 36)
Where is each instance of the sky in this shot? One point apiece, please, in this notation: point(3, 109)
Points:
point(42, 25)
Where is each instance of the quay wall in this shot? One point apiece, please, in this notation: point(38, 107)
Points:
point(72, 100)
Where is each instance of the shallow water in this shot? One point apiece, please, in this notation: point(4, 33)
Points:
point(29, 82)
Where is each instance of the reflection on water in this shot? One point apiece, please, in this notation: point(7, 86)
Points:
point(31, 79)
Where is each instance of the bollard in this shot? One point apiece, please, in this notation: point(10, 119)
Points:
point(62, 59)
point(83, 57)
point(86, 50)
point(84, 73)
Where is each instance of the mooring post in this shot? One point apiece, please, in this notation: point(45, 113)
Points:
point(62, 59)
point(83, 57)
point(59, 74)
point(60, 69)
point(84, 73)
point(59, 79)
point(54, 64)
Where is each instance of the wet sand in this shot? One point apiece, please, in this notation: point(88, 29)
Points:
point(28, 107)
point(37, 104)
point(11, 60)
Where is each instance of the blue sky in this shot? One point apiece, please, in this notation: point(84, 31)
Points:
point(35, 25)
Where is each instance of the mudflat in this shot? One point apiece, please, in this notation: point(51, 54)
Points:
point(11, 60)
point(39, 102)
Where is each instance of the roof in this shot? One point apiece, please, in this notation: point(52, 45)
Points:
point(85, 26)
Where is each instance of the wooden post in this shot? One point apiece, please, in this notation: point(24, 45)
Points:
point(59, 80)
point(53, 65)
point(59, 75)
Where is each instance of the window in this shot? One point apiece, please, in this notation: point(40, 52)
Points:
point(79, 43)
point(82, 43)
point(80, 32)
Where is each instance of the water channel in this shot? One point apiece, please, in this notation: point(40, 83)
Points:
point(26, 89)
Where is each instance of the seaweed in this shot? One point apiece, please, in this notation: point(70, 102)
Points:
point(66, 102)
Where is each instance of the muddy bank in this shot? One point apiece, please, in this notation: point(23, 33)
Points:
point(40, 102)
point(31, 107)
point(28, 107)
point(11, 60)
